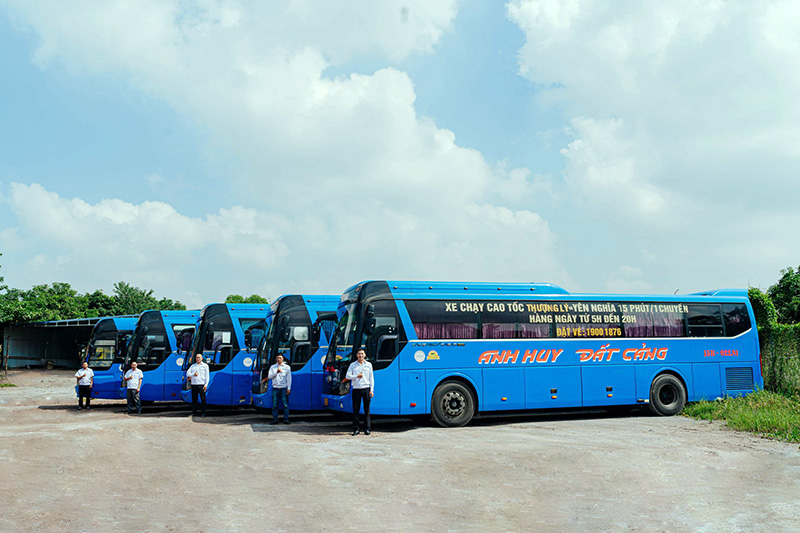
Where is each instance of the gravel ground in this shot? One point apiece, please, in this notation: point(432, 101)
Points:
point(68, 470)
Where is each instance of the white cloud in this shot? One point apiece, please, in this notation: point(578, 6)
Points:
point(685, 122)
point(243, 250)
point(342, 181)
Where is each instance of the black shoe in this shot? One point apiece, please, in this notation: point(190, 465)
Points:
point(79, 408)
point(286, 422)
point(138, 412)
point(356, 432)
point(274, 422)
point(366, 432)
point(203, 415)
point(87, 407)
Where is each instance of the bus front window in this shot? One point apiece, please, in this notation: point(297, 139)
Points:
point(101, 351)
point(341, 349)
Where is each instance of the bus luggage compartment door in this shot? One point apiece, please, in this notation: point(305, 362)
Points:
point(503, 389)
point(608, 385)
point(412, 393)
point(552, 387)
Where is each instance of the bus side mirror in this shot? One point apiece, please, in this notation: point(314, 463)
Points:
point(248, 339)
point(209, 338)
point(316, 331)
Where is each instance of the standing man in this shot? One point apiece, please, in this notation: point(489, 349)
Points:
point(198, 373)
point(85, 377)
point(281, 375)
point(362, 384)
point(133, 378)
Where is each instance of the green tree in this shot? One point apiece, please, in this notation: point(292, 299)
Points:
point(763, 308)
point(252, 299)
point(58, 301)
point(785, 294)
point(99, 304)
point(130, 300)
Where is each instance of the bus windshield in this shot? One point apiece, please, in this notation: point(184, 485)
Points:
point(149, 345)
point(101, 350)
point(341, 347)
point(106, 345)
point(216, 339)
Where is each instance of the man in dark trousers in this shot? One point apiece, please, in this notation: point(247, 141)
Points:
point(281, 375)
point(198, 374)
point(85, 377)
point(362, 384)
point(133, 378)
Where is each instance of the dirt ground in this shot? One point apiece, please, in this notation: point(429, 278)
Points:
point(68, 470)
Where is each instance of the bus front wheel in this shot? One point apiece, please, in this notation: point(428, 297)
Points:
point(453, 405)
point(667, 395)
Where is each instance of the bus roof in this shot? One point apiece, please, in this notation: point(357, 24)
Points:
point(374, 289)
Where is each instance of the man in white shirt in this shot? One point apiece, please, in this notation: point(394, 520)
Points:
point(85, 378)
point(281, 375)
point(362, 385)
point(199, 375)
point(133, 378)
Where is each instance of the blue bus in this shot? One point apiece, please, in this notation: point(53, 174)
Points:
point(453, 350)
point(299, 328)
point(159, 345)
point(105, 354)
point(221, 334)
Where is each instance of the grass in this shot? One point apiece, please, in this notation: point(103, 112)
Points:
point(6, 385)
point(767, 414)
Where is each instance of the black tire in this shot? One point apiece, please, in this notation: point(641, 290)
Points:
point(667, 395)
point(453, 405)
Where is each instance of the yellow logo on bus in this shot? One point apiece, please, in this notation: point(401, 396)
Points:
point(433, 356)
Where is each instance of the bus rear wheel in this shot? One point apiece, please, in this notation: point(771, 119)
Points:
point(453, 405)
point(667, 395)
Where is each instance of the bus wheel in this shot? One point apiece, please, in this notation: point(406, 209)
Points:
point(453, 405)
point(667, 395)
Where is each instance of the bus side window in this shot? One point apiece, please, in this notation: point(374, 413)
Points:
point(383, 342)
point(705, 320)
point(737, 320)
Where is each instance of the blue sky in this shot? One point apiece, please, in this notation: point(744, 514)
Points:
point(209, 147)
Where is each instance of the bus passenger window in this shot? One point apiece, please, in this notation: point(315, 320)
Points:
point(705, 320)
point(737, 320)
point(434, 320)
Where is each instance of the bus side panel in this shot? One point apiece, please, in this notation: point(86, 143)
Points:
point(553, 387)
point(503, 389)
point(241, 378)
point(173, 378)
point(608, 385)
point(300, 398)
point(153, 385)
point(707, 385)
point(316, 379)
point(387, 393)
point(413, 400)
point(106, 383)
point(218, 391)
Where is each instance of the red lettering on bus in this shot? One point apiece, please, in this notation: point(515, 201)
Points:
point(485, 357)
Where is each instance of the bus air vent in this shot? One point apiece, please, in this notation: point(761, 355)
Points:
point(738, 378)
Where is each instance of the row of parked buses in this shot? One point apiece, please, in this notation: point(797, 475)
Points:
point(446, 350)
